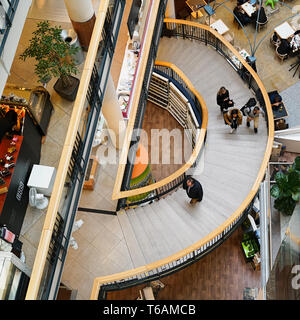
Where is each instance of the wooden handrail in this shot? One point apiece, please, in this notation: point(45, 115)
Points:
point(195, 153)
point(53, 207)
point(147, 268)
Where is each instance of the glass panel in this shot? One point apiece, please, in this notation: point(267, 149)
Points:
point(15, 284)
point(284, 279)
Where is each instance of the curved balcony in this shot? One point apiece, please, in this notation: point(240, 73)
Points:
point(234, 165)
point(189, 109)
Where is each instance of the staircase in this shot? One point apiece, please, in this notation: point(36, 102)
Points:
point(231, 163)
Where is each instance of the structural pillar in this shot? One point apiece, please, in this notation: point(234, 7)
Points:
point(170, 10)
point(113, 115)
point(82, 16)
point(170, 13)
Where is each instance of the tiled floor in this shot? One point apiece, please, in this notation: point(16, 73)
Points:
point(101, 248)
point(22, 74)
point(273, 73)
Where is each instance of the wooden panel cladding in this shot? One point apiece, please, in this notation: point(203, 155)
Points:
point(84, 31)
point(166, 95)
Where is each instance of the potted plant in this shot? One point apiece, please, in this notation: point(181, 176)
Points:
point(54, 59)
point(286, 190)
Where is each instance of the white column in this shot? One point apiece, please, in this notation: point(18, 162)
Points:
point(80, 10)
point(170, 10)
point(82, 16)
point(170, 13)
point(113, 114)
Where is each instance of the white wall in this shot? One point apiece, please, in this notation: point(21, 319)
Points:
point(12, 41)
point(290, 138)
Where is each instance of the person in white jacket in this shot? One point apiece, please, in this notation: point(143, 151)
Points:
point(253, 113)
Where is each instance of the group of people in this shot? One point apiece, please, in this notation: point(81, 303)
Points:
point(287, 46)
point(233, 116)
point(241, 16)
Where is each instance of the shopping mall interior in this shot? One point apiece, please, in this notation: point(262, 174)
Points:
point(88, 213)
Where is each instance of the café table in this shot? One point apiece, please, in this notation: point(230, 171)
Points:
point(280, 112)
point(284, 31)
point(248, 8)
point(219, 26)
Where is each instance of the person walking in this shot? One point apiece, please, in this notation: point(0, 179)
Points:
point(193, 189)
point(252, 112)
point(233, 118)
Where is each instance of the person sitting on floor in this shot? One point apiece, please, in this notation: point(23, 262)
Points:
point(233, 118)
point(262, 18)
point(240, 16)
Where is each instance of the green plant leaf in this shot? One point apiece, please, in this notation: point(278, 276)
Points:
point(296, 164)
point(275, 191)
point(281, 178)
point(51, 52)
point(296, 196)
point(285, 205)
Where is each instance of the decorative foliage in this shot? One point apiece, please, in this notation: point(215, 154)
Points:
point(52, 53)
point(286, 191)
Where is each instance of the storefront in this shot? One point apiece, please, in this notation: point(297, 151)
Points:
point(20, 149)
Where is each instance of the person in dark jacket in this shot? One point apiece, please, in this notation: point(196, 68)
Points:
point(193, 190)
point(241, 16)
point(275, 99)
point(7, 123)
point(240, 2)
point(262, 18)
point(223, 100)
point(284, 47)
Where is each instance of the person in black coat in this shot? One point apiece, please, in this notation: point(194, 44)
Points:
point(262, 15)
point(223, 99)
point(7, 123)
point(240, 2)
point(241, 16)
point(193, 189)
point(284, 47)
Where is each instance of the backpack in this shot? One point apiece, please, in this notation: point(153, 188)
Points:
point(247, 107)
